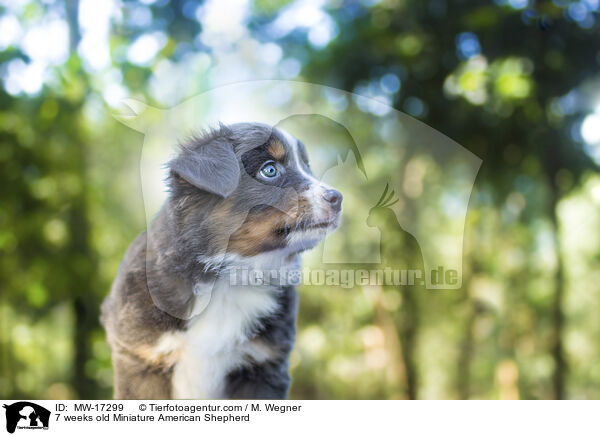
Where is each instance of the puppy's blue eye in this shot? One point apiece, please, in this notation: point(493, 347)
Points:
point(269, 171)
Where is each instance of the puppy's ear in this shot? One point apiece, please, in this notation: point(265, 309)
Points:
point(212, 167)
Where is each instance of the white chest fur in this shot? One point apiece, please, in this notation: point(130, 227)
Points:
point(216, 341)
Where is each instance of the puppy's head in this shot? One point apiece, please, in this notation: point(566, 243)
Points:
point(248, 189)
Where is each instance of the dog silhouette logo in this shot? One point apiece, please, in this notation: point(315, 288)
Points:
point(26, 415)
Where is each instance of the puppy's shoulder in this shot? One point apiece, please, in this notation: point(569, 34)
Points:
point(129, 310)
point(131, 276)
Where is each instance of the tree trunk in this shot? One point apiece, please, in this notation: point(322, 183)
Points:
point(407, 332)
point(552, 165)
point(85, 302)
point(556, 313)
point(466, 354)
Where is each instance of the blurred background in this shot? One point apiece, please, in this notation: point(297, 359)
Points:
point(516, 82)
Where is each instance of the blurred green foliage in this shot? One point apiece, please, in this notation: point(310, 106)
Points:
point(511, 81)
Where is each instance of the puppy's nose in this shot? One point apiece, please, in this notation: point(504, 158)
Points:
point(334, 198)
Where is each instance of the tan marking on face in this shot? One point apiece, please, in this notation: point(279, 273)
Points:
point(276, 149)
point(258, 232)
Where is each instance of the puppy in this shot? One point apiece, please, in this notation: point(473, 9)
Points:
point(241, 197)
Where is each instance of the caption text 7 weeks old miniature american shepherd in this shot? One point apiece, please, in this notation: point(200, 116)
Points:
point(241, 196)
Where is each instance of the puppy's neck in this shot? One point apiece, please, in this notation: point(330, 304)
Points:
point(276, 259)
